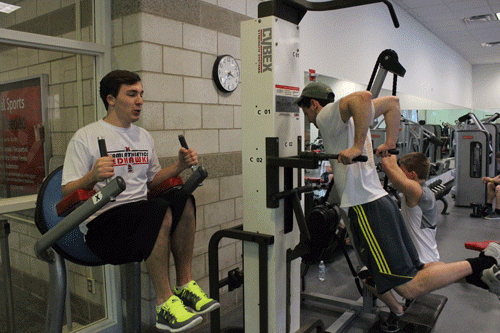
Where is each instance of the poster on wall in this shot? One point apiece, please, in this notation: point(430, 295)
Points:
point(22, 141)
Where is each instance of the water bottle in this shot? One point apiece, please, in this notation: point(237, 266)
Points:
point(321, 271)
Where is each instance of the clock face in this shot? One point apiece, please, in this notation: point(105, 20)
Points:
point(226, 73)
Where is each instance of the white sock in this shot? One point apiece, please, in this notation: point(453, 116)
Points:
point(184, 286)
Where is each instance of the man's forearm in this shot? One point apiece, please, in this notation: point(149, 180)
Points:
point(166, 173)
point(392, 120)
point(389, 107)
point(362, 119)
point(87, 182)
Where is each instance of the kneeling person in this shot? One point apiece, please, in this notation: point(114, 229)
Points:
point(418, 205)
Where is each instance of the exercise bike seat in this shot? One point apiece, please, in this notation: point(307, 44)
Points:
point(72, 246)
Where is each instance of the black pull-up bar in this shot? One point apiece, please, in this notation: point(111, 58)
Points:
point(294, 10)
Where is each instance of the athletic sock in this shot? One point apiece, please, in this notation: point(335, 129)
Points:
point(184, 286)
point(478, 265)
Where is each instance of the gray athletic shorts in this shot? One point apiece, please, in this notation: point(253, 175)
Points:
point(127, 233)
point(383, 243)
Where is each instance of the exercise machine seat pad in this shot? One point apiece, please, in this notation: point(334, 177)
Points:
point(423, 313)
point(72, 246)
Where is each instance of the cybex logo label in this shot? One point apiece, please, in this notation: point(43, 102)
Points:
point(265, 50)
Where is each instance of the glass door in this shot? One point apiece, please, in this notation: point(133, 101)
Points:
point(51, 60)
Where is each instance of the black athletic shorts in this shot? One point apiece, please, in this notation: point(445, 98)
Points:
point(383, 243)
point(127, 233)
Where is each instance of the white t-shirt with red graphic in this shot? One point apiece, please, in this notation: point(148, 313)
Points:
point(133, 154)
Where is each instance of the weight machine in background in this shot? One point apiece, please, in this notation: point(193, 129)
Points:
point(474, 159)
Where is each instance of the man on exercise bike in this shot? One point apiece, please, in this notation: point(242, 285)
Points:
point(132, 229)
point(379, 234)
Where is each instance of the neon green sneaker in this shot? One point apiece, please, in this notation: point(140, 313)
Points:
point(174, 317)
point(194, 297)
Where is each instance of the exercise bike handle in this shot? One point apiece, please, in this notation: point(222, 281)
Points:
point(104, 152)
point(183, 143)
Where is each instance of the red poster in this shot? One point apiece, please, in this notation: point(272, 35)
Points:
point(22, 138)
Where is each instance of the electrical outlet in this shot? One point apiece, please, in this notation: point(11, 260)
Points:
point(91, 285)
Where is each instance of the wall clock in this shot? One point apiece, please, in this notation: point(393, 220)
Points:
point(226, 73)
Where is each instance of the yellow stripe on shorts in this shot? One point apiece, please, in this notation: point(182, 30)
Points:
point(372, 241)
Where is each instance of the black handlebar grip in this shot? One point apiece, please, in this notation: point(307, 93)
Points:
point(391, 151)
point(104, 152)
point(360, 158)
point(183, 142)
point(102, 147)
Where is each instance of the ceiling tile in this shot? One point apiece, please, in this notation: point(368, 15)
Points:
point(444, 18)
point(421, 3)
point(456, 6)
point(472, 12)
point(431, 10)
point(487, 35)
point(494, 5)
point(447, 25)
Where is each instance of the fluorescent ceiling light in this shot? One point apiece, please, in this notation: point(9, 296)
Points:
point(7, 8)
point(488, 44)
point(480, 18)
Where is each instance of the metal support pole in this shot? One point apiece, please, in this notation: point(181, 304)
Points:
point(57, 293)
point(4, 242)
point(69, 317)
point(379, 81)
point(131, 279)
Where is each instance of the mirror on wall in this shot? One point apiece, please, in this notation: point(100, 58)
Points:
point(412, 107)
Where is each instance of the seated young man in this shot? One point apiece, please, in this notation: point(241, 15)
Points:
point(132, 229)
